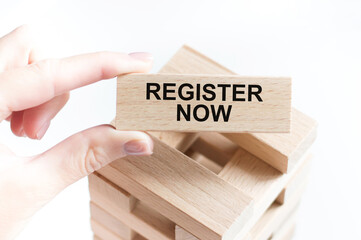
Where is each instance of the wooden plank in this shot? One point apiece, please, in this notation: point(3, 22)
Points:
point(280, 150)
point(111, 223)
point(258, 180)
point(178, 188)
point(142, 219)
point(102, 233)
point(294, 183)
point(197, 103)
point(275, 215)
point(100, 187)
point(287, 230)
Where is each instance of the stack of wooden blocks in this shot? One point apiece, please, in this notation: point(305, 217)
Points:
point(205, 185)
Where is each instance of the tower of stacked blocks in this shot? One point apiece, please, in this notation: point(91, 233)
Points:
point(205, 185)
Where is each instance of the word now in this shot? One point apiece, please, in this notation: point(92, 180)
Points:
point(216, 113)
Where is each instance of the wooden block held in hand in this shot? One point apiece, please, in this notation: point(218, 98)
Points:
point(197, 103)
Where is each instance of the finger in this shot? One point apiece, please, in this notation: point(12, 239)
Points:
point(18, 48)
point(36, 120)
point(32, 85)
point(88, 151)
point(16, 124)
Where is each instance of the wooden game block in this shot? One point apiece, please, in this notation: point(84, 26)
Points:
point(197, 103)
point(287, 230)
point(187, 193)
point(259, 181)
point(102, 233)
point(111, 223)
point(294, 183)
point(142, 219)
point(274, 216)
point(100, 187)
point(280, 150)
point(215, 146)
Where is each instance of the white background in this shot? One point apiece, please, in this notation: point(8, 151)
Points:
point(315, 42)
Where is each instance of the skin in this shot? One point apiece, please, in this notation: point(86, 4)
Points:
point(32, 92)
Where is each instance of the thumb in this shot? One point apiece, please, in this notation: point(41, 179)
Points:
point(88, 151)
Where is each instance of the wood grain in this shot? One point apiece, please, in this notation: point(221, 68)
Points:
point(178, 188)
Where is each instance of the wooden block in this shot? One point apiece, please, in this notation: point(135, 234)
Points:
point(102, 233)
point(294, 183)
point(178, 188)
point(197, 103)
point(142, 219)
point(275, 215)
point(100, 187)
point(111, 223)
point(215, 147)
point(280, 150)
point(287, 230)
point(258, 180)
point(286, 234)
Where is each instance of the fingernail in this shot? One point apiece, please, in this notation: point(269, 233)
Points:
point(138, 147)
point(42, 130)
point(142, 56)
point(22, 132)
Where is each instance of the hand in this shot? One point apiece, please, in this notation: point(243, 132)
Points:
point(32, 92)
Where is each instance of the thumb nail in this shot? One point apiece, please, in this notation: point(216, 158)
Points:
point(142, 56)
point(138, 147)
point(41, 132)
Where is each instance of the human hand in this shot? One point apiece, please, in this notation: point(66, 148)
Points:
point(32, 92)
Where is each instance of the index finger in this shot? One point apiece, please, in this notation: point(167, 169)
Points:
point(34, 84)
